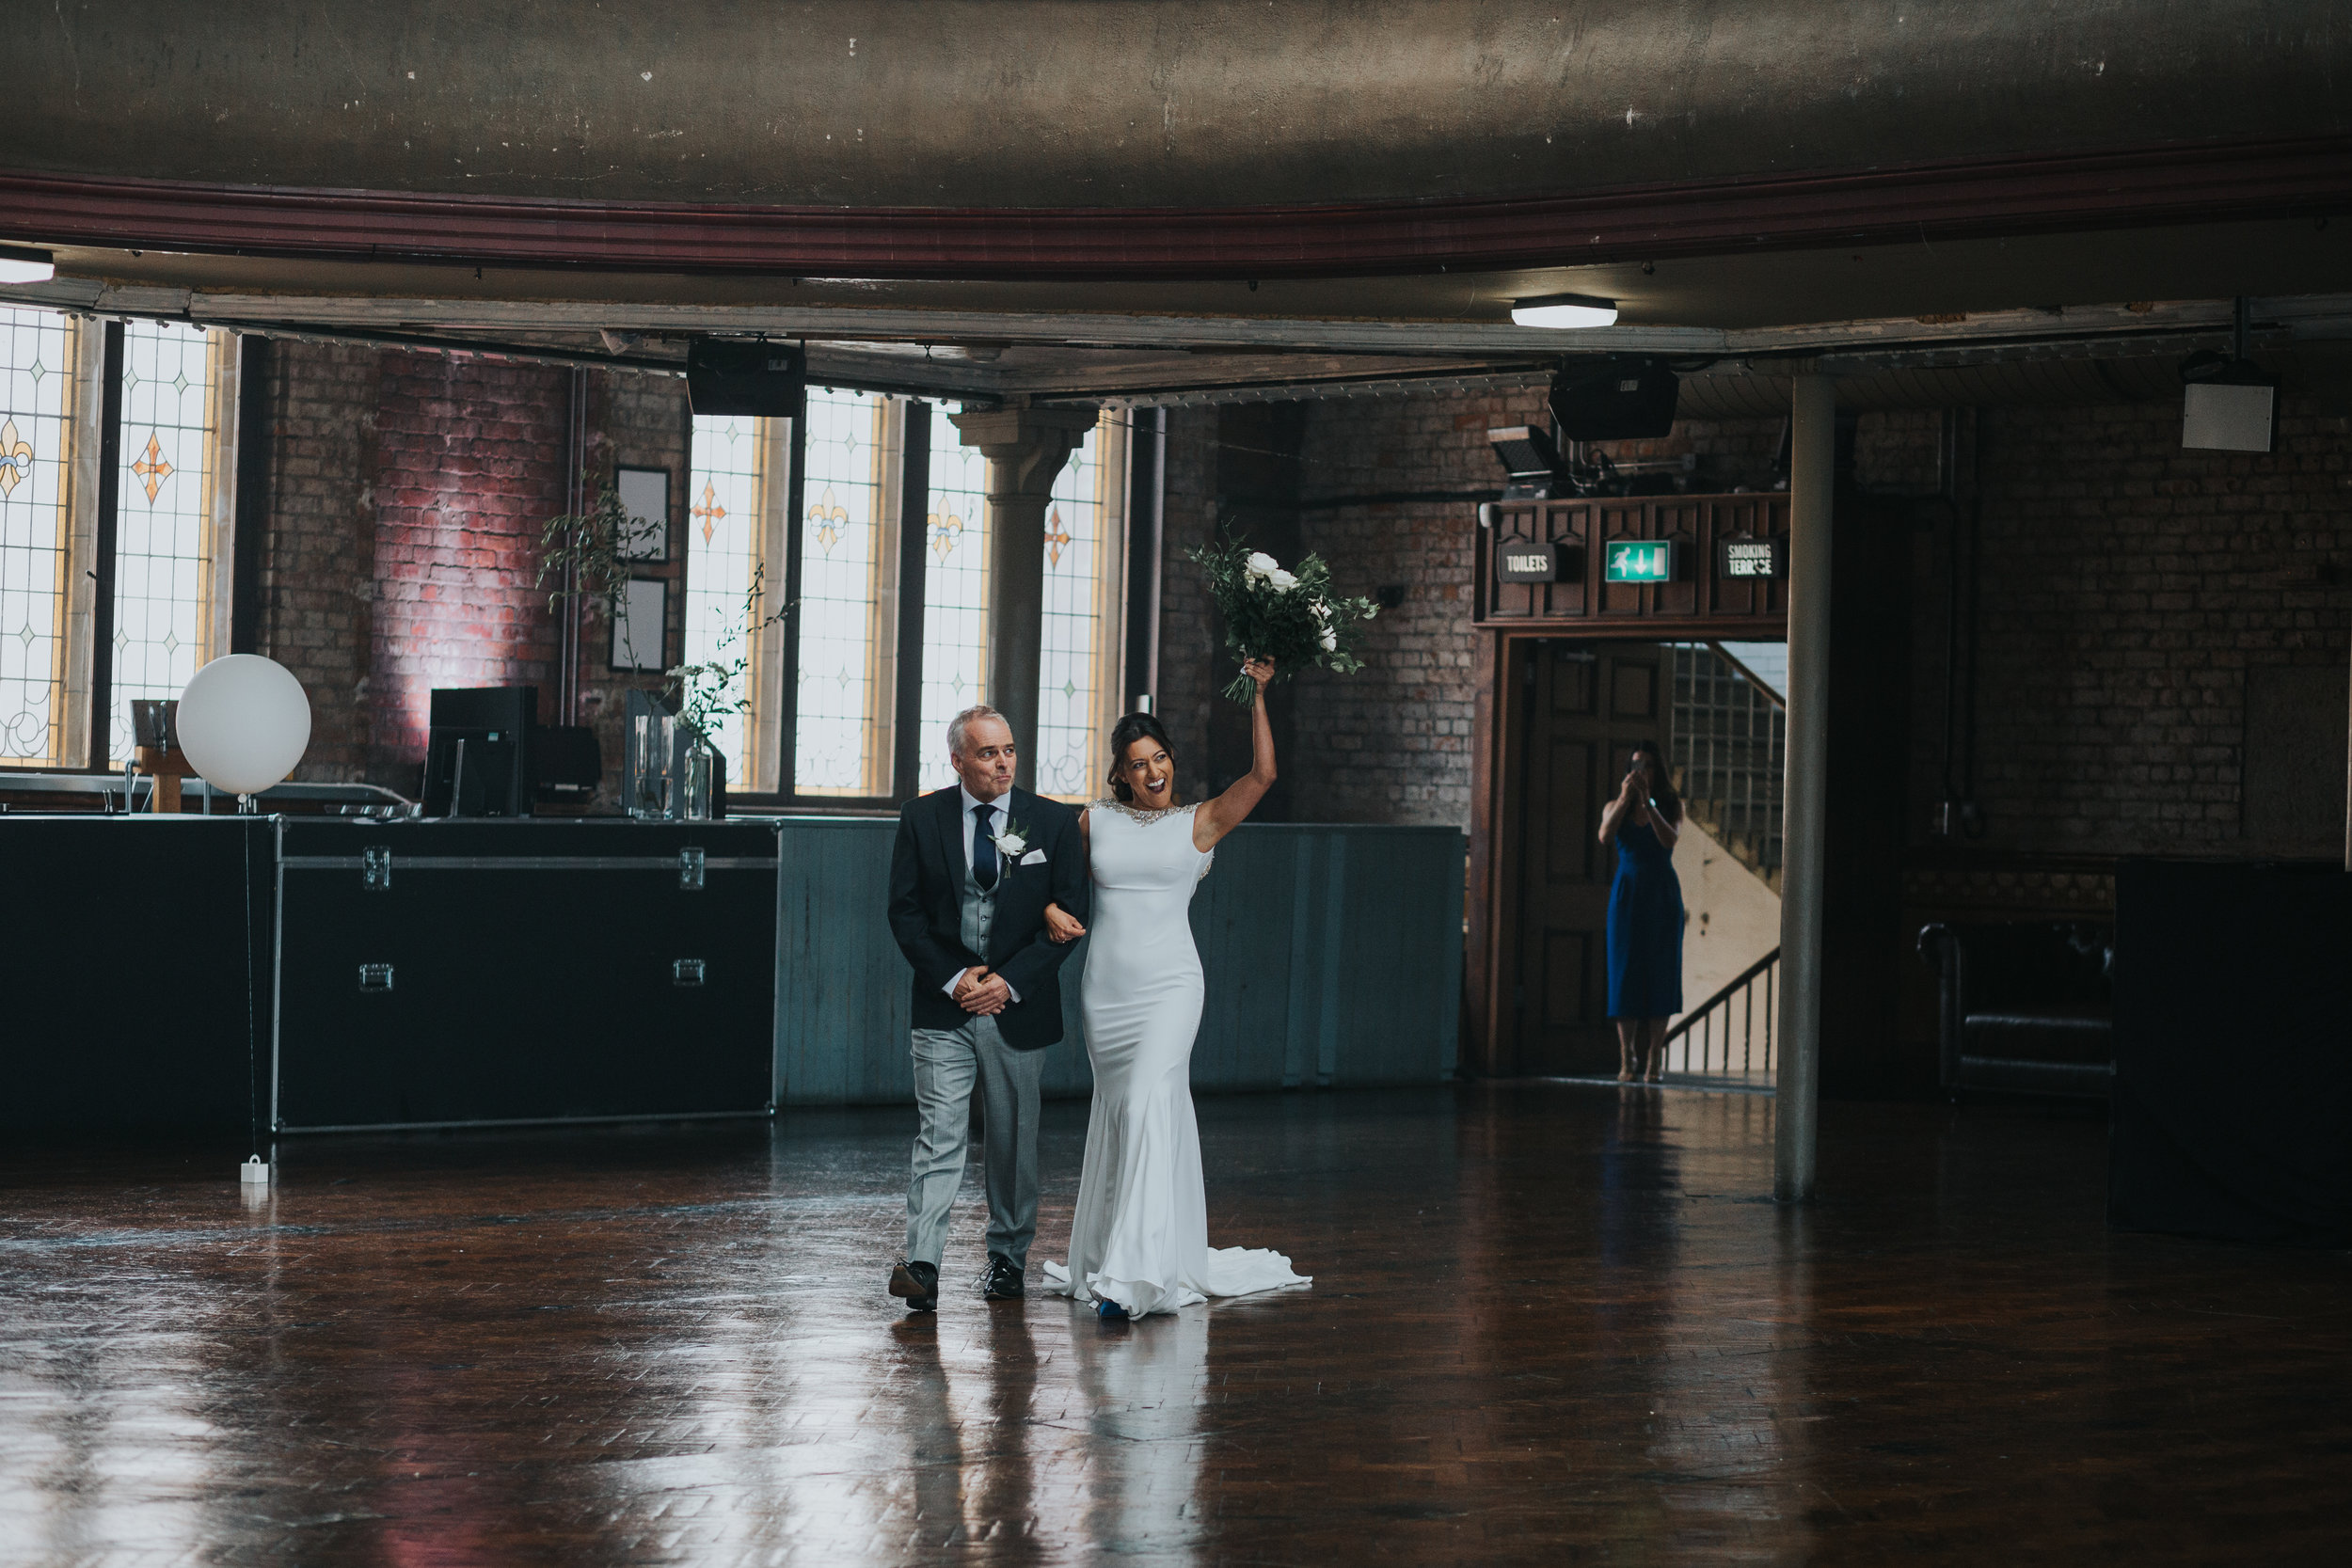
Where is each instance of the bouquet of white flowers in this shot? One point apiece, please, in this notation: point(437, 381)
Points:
point(1291, 617)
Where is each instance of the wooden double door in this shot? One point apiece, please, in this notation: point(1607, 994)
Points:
point(1580, 709)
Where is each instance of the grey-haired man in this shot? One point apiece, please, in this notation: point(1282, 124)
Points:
point(971, 874)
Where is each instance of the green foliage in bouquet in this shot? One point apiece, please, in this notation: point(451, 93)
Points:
point(1291, 616)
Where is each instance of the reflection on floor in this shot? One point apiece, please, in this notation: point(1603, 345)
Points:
point(1549, 1324)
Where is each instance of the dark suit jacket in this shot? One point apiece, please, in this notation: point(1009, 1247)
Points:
point(927, 871)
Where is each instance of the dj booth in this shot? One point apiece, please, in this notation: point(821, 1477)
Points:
point(339, 974)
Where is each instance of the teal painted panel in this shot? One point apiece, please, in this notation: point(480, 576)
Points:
point(1332, 955)
point(842, 997)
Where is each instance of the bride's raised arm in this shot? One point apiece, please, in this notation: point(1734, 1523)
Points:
point(1221, 816)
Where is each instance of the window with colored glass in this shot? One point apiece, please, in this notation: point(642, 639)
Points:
point(842, 741)
point(726, 502)
point(171, 515)
point(1078, 652)
point(38, 352)
point(955, 595)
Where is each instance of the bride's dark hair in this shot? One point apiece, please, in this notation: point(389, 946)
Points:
point(1134, 727)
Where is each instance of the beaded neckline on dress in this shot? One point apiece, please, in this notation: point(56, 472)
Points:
point(1136, 814)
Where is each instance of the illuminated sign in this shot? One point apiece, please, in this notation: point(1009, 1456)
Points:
point(1752, 557)
point(1525, 561)
point(1641, 561)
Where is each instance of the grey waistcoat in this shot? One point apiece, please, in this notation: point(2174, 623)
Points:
point(979, 914)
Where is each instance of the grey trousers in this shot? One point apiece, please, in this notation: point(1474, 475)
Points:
point(946, 1061)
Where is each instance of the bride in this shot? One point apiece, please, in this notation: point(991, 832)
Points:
point(1139, 1242)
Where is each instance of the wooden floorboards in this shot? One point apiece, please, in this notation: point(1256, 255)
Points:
point(1550, 1324)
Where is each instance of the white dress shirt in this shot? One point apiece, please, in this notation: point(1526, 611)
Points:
point(971, 803)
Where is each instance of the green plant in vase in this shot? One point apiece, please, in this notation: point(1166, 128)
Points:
point(588, 553)
point(706, 694)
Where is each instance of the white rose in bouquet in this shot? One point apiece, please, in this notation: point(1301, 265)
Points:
point(1300, 625)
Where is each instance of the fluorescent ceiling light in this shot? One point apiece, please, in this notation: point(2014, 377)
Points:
point(21, 265)
point(1564, 310)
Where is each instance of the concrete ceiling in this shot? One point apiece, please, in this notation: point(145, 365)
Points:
point(1171, 104)
point(2118, 293)
point(1811, 179)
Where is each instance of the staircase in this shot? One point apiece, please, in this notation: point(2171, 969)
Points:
point(1729, 736)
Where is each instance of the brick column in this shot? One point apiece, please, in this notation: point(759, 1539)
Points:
point(1025, 448)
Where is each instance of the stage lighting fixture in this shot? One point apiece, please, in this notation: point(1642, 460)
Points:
point(22, 264)
point(2230, 405)
point(1564, 312)
point(1528, 455)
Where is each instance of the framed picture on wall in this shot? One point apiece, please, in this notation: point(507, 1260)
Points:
point(644, 496)
point(640, 624)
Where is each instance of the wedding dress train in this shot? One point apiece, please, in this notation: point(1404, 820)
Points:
point(1140, 1237)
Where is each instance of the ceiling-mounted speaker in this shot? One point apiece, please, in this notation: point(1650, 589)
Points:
point(725, 375)
point(1619, 398)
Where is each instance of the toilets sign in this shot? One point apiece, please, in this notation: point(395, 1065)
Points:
point(1641, 561)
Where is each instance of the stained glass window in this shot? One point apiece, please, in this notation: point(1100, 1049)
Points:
point(1077, 661)
point(842, 747)
point(955, 594)
point(164, 520)
point(37, 360)
point(726, 501)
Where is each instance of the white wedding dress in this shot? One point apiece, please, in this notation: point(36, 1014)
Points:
point(1140, 1237)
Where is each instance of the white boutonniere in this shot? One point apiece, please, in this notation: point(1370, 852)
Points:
point(1012, 841)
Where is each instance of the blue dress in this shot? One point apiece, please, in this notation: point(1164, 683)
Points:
point(1645, 928)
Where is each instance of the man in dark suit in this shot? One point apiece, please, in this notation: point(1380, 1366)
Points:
point(973, 870)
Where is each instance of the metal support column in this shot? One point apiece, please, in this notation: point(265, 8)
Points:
point(1813, 457)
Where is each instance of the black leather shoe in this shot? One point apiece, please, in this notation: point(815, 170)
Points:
point(918, 1284)
point(1003, 1281)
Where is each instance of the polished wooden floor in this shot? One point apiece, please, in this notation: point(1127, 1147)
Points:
point(1548, 1325)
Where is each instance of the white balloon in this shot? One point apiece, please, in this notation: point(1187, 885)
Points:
point(243, 722)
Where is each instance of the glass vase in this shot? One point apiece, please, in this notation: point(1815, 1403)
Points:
point(653, 752)
point(695, 777)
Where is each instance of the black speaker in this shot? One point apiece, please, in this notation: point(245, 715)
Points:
point(727, 376)
point(1614, 400)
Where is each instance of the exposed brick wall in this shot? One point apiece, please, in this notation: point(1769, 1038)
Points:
point(407, 495)
point(470, 464)
point(641, 420)
point(1189, 660)
point(319, 563)
point(2127, 588)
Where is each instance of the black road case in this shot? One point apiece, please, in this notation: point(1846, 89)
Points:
point(440, 973)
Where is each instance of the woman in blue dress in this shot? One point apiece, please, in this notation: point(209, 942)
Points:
point(1645, 914)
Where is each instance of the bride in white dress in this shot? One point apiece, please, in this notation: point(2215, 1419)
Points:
point(1139, 1242)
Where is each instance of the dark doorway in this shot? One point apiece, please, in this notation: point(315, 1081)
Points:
point(1581, 708)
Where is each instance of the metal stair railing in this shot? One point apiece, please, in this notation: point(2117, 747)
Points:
point(1736, 1006)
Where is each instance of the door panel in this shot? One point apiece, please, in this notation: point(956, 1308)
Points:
point(1632, 691)
point(1585, 705)
point(1567, 978)
point(1568, 850)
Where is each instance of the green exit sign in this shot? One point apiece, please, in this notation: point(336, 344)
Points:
point(1641, 561)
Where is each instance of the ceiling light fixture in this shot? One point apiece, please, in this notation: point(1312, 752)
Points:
point(1564, 310)
point(19, 264)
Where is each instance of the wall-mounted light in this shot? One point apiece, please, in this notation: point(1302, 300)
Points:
point(22, 265)
point(1564, 310)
